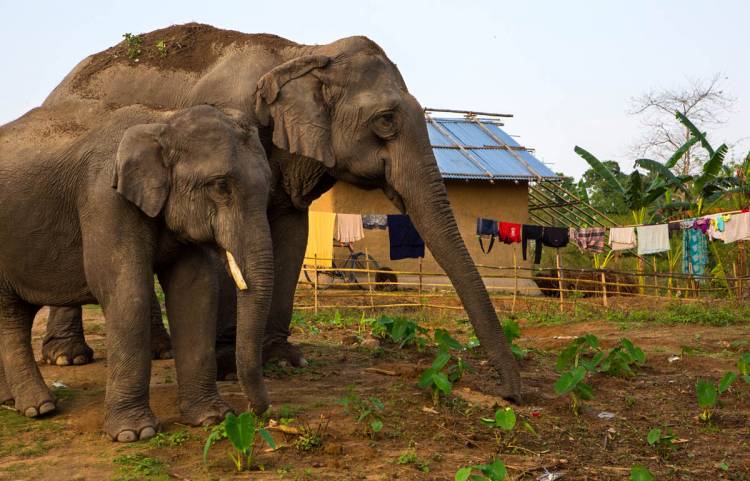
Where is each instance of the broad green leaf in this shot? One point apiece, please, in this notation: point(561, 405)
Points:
point(377, 403)
point(710, 169)
point(565, 358)
point(446, 341)
point(664, 173)
point(706, 392)
point(505, 419)
point(495, 471)
point(425, 380)
point(212, 437)
point(746, 379)
point(441, 382)
point(640, 473)
point(463, 474)
point(584, 391)
point(601, 170)
point(743, 364)
point(591, 340)
point(511, 330)
point(695, 132)
point(568, 381)
point(680, 153)
point(653, 436)
point(376, 425)
point(634, 194)
point(267, 438)
point(441, 360)
point(726, 381)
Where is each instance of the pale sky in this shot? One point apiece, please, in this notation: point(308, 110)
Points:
point(566, 70)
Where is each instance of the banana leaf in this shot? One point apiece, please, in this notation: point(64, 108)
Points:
point(695, 132)
point(634, 194)
point(680, 153)
point(663, 172)
point(711, 168)
point(600, 169)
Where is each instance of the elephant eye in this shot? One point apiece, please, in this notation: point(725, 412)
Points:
point(220, 186)
point(385, 126)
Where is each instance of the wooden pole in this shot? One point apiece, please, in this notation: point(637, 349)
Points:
point(559, 279)
point(421, 301)
point(641, 279)
point(656, 278)
point(369, 280)
point(315, 285)
point(605, 301)
point(515, 280)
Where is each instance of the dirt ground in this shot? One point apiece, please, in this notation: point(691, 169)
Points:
point(419, 441)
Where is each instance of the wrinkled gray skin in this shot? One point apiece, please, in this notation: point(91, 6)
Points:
point(144, 193)
point(326, 113)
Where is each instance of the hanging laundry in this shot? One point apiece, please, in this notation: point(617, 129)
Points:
point(588, 238)
point(404, 239)
point(349, 228)
point(694, 252)
point(737, 228)
point(509, 232)
point(717, 224)
point(687, 224)
point(320, 238)
point(375, 221)
point(701, 224)
point(621, 238)
point(535, 233)
point(674, 227)
point(653, 239)
point(556, 236)
point(486, 228)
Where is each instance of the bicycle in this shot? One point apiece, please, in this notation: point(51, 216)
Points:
point(356, 260)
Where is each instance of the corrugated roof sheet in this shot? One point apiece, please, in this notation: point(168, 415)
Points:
point(480, 149)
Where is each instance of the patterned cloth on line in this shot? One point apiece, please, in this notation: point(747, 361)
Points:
point(694, 252)
point(653, 239)
point(589, 238)
point(349, 228)
point(375, 221)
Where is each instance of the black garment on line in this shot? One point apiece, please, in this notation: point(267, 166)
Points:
point(404, 239)
point(535, 233)
point(556, 236)
point(486, 227)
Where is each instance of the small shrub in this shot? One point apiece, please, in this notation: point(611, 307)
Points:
point(311, 438)
point(241, 431)
point(367, 412)
point(661, 440)
point(410, 457)
point(401, 331)
point(486, 472)
point(133, 44)
point(446, 369)
point(161, 48)
point(163, 440)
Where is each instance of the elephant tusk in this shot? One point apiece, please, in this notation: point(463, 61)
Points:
point(234, 269)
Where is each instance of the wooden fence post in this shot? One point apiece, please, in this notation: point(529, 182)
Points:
point(369, 280)
point(515, 280)
point(604, 289)
point(559, 280)
point(656, 278)
point(315, 285)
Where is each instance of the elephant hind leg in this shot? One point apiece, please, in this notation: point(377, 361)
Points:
point(161, 344)
point(6, 396)
point(21, 374)
point(64, 344)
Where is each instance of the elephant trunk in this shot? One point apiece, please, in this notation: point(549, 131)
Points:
point(249, 258)
point(420, 190)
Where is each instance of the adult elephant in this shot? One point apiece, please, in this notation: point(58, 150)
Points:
point(326, 113)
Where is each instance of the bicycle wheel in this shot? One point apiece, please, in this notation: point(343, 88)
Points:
point(360, 260)
point(326, 277)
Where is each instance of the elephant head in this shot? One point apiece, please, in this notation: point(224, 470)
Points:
point(209, 180)
point(346, 105)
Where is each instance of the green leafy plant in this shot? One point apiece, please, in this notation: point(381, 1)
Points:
point(483, 472)
point(512, 331)
point(708, 393)
point(400, 330)
point(410, 457)
point(504, 423)
point(622, 358)
point(133, 44)
point(640, 473)
point(574, 368)
point(163, 440)
point(743, 366)
point(661, 440)
point(447, 368)
point(366, 411)
point(241, 431)
point(309, 437)
point(161, 48)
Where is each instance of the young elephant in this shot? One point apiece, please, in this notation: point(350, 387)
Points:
point(147, 193)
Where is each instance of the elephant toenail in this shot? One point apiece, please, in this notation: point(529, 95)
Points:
point(126, 437)
point(303, 362)
point(31, 413)
point(46, 407)
point(78, 360)
point(147, 433)
point(62, 361)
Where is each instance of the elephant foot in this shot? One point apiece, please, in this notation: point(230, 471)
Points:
point(66, 351)
point(285, 352)
point(161, 345)
point(258, 400)
point(205, 413)
point(6, 397)
point(226, 363)
point(33, 404)
point(134, 424)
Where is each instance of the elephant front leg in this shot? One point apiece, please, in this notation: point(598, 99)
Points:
point(21, 383)
point(64, 344)
point(289, 233)
point(191, 291)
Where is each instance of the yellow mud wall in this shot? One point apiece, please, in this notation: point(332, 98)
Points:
point(503, 200)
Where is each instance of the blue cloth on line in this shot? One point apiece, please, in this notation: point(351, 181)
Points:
point(404, 239)
point(694, 252)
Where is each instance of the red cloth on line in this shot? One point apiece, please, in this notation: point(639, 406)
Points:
point(509, 232)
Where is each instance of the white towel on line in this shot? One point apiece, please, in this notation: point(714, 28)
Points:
point(737, 228)
point(349, 228)
point(653, 239)
point(622, 238)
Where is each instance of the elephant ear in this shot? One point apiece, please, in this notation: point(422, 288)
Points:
point(140, 174)
point(292, 97)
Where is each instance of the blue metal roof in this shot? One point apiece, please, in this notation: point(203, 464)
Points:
point(473, 148)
